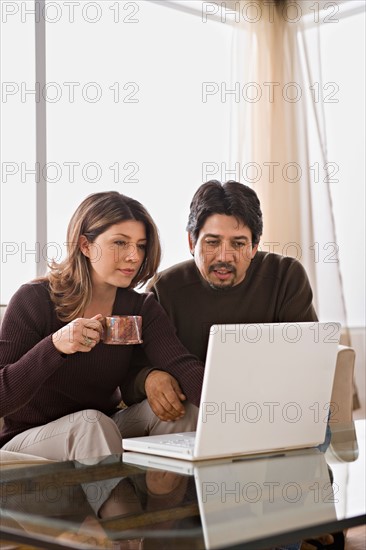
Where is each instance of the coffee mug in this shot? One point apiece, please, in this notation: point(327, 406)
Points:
point(122, 330)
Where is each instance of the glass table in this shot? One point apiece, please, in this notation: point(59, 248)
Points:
point(139, 502)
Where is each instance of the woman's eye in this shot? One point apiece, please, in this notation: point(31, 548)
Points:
point(120, 243)
point(142, 247)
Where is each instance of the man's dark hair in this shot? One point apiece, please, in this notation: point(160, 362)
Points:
point(231, 199)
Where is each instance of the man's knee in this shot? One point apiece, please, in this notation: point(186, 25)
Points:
point(187, 423)
point(139, 420)
point(190, 418)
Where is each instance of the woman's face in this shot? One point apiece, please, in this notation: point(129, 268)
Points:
point(117, 254)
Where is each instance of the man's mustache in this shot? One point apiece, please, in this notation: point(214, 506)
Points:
point(222, 265)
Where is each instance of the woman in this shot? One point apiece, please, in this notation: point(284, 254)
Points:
point(60, 385)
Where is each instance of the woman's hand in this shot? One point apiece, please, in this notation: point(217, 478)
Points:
point(79, 335)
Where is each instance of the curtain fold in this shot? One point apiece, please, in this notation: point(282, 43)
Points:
point(272, 144)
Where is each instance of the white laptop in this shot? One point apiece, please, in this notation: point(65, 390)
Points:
point(243, 498)
point(267, 387)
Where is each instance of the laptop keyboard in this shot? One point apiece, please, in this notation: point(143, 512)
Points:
point(179, 442)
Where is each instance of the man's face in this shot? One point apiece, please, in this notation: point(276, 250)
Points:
point(223, 251)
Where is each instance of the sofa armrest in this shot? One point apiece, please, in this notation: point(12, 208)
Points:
point(342, 392)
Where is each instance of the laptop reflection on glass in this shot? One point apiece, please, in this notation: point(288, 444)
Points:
point(267, 388)
point(242, 499)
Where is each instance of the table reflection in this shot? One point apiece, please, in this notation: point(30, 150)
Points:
point(100, 503)
point(140, 502)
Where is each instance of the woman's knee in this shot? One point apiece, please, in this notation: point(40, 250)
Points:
point(84, 434)
point(93, 434)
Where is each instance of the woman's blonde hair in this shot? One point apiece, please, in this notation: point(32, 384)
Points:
point(69, 280)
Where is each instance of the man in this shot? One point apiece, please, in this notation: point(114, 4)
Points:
point(228, 280)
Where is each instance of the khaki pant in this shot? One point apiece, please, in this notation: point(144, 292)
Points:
point(90, 433)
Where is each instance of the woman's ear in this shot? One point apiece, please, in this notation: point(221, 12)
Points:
point(84, 246)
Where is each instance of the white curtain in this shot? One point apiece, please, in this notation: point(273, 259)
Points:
point(279, 140)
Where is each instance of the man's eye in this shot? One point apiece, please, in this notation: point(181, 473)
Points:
point(238, 244)
point(213, 243)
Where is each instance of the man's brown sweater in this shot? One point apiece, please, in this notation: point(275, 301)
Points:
point(275, 289)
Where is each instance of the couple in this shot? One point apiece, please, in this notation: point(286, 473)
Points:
point(61, 387)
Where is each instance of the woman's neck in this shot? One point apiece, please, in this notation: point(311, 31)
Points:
point(102, 302)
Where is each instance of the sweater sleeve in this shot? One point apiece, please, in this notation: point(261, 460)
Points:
point(165, 352)
point(27, 354)
point(133, 389)
point(295, 296)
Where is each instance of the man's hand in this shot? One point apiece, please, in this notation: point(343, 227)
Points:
point(313, 544)
point(164, 395)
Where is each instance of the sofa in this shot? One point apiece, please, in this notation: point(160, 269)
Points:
point(343, 389)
